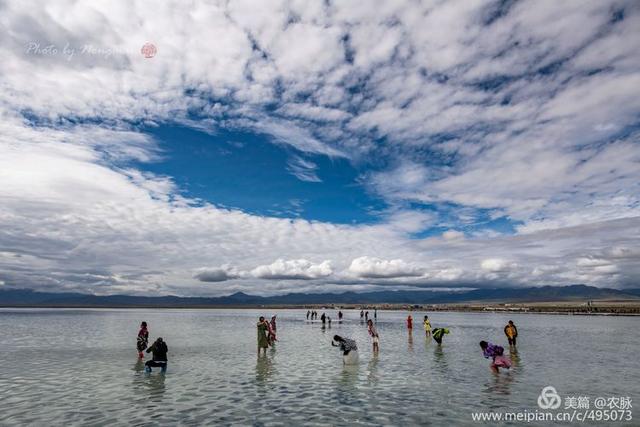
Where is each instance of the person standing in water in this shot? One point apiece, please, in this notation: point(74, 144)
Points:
point(348, 347)
point(159, 359)
point(373, 332)
point(496, 354)
point(272, 330)
point(142, 340)
point(375, 314)
point(361, 315)
point(427, 326)
point(339, 316)
point(323, 319)
point(410, 323)
point(511, 332)
point(308, 313)
point(263, 340)
point(439, 333)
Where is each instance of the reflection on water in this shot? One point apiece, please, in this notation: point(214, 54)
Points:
point(516, 361)
point(497, 389)
point(500, 382)
point(215, 377)
point(440, 358)
point(372, 370)
point(264, 369)
point(139, 366)
point(347, 383)
point(150, 385)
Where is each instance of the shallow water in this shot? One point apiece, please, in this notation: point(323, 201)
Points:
point(79, 367)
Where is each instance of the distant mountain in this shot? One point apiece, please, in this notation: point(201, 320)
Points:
point(28, 298)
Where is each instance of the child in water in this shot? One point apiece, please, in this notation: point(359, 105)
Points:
point(496, 354)
point(409, 322)
point(373, 332)
point(427, 326)
point(348, 347)
point(439, 333)
point(143, 339)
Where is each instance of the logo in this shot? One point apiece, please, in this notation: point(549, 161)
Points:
point(148, 50)
point(549, 398)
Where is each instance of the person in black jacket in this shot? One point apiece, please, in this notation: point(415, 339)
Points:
point(159, 349)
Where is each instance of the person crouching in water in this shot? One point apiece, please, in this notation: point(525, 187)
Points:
point(373, 332)
point(349, 349)
point(496, 354)
point(143, 339)
point(439, 333)
point(159, 349)
point(511, 332)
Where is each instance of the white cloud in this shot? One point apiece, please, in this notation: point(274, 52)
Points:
point(496, 265)
point(453, 235)
point(299, 269)
point(376, 268)
point(304, 170)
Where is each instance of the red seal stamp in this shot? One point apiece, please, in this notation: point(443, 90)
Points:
point(148, 50)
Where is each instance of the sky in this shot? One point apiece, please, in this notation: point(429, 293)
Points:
point(205, 148)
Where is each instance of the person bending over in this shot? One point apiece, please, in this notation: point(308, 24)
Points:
point(348, 347)
point(496, 354)
point(438, 334)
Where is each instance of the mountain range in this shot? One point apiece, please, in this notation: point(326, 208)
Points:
point(29, 298)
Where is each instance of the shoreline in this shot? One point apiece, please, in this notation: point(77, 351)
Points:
point(580, 308)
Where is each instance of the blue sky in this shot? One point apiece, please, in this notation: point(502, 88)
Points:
point(291, 146)
point(247, 171)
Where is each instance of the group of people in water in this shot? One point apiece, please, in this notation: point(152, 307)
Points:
point(159, 350)
point(491, 351)
point(267, 338)
point(266, 333)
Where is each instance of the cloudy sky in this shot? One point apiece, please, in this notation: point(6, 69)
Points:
point(312, 146)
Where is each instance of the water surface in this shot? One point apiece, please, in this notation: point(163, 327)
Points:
point(79, 367)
